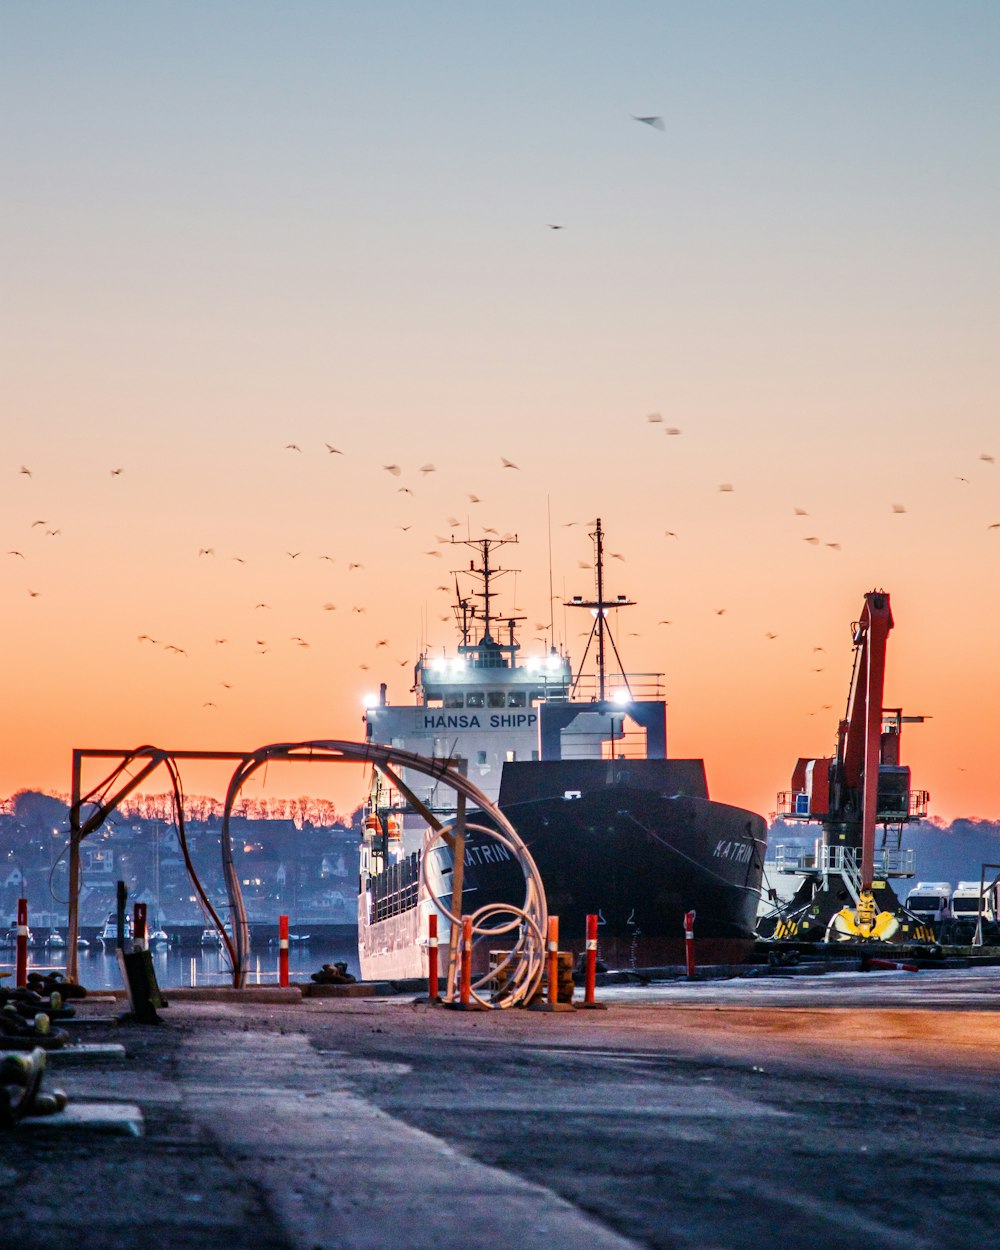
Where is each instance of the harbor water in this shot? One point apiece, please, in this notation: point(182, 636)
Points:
point(192, 965)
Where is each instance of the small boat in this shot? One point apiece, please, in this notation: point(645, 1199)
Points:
point(10, 938)
point(109, 934)
point(82, 943)
point(211, 937)
point(55, 940)
point(159, 938)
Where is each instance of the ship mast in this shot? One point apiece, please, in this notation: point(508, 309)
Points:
point(486, 573)
point(601, 628)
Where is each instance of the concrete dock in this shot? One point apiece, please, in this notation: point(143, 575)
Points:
point(723, 1115)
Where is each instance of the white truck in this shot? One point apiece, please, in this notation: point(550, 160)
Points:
point(930, 901)
point(967, 905)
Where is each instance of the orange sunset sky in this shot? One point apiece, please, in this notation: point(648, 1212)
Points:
point(231, 228)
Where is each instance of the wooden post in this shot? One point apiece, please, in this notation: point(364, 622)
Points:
point(457, 882)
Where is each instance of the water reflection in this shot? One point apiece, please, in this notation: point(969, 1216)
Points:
point(189, 965)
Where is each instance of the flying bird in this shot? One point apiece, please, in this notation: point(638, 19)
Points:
point(354, 565)
point(25, 471)
point(986, 456)
point(208, 704)
point(994, 526)
point(726, 486)
point(239, 560)
point(116, 472)
point(801, 512)
point(52, 533)
point(669, 534)
point(453, 520)
point(330, 558)
point(508, 464)
point(329, 607)
point(720, 611)
point(770, 637)
point(433, 553)
point(334, 451)
point(898, 508)
point(428, 468)
point(654, 418)
point(293, 555)
point(394, 469)
point(552, 226)
point(34, 593)
point(21, 553)
point(404, 490)
point(206, 551)
point(382, 642)
point(655, 122)
point(221, 641)
point(292, 447)
point(671, 430)
point(663, 622)
point(404, 528)
point(34, 523)
point(260, 605)
point(473, 498)
point(811, 541)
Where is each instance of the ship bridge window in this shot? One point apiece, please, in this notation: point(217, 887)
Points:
point(481, 757)
point(475, 699)
point(517, 698)
point(511, 757)
point(495, 698)
point(454, 700)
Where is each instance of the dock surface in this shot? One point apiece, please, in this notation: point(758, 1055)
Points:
point(717, 1115)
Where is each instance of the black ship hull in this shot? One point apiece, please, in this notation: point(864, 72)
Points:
point(639, 844)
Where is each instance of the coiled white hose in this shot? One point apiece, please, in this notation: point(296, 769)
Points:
point(526, 959)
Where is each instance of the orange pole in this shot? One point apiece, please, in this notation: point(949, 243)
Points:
point(591, 975)
point(282, 950)
point(432, 958)
point(21, 969)
point(553, 960)
point(465, 994)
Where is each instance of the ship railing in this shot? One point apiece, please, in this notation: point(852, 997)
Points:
point(394, 890)
point(918, 803)
point(844, 860)
point(619, 688)
point(794, 805)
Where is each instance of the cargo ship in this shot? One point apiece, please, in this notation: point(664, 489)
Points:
point(578, 764)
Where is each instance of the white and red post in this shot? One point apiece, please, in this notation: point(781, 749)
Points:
point(432, 958)
point(689, 941)
point(590, 966)
point(282, 950)
point(139, 942)
point(21, 969)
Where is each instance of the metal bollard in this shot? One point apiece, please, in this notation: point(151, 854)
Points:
point(689, 941)
point(282, 950)
point(139, 942)
point(553, 961)
point(21, 967)
point(465, 992)
point(432, 959)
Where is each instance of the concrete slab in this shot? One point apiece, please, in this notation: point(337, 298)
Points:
point(276, 994)
point(86, 1052)
point(95, 1117)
